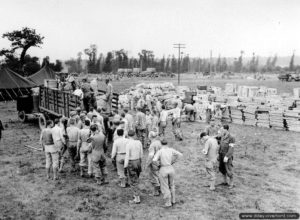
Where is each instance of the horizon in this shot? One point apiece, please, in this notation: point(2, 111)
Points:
point(225, 27)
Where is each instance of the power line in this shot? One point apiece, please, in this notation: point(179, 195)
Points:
point(179, 46)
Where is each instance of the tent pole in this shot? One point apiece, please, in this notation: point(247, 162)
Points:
point(2, 96)
point(9, 94)
point(21, 92)
point(15, 93)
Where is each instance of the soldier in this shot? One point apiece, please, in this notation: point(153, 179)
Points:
point(59, 140)
point(226, 155)
point(166, 157)
point(73, 134)
point(51, 151)
point(84, 149)
point(211, 152)
point(130, 119)
point(118, 153)
point(209, 111)
point(176, 120)
point(109, 95)
point(212, 129)
point(149, 122)
point(155, 146)
point(190, 111)
point(125, 124)
point(163, 121)
point(141, 126)
point(78, 111)
point(81, 122)
point(98, 160)
point(218, 115)
point(148, 100)
point(87, 94)
point(133, 164)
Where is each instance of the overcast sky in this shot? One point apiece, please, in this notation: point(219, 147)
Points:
point(265, 27)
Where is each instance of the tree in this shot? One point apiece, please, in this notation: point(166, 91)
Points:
point(92, 56)
point(162, 64)
point(173, 64)
point(167, 68)
point(291, 66)
point(31, 65)
point(146, 58)
point(253, 66)
point(45, 61)
point(108, 63)
point(22, 39)
point(72, 65)
point(57, 67)
point(185, 64)
point(79, 68)
point(224, 66)
point(121, 59)
point(99, 63)
point(238, 64)
point(218, 64)
point(274, 61)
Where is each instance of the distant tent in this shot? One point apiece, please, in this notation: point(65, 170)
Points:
point(12, 85)
point(39, 77)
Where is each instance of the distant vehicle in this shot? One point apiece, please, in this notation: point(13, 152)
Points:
point(151, 70)
point(288, 77)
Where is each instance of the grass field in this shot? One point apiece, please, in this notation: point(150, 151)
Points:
point(266, 169)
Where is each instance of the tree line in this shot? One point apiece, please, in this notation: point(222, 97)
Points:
point(22, 40)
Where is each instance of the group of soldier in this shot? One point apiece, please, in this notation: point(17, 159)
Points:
point(91, 136)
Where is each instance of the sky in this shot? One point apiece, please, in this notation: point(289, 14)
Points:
point(225, 27)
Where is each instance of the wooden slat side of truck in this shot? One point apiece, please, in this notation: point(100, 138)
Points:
point(50, 104)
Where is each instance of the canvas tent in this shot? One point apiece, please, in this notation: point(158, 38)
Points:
point(12, 85)
point(39, 77)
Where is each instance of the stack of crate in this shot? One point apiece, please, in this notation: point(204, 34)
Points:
point(236, 115)
point(250, 115)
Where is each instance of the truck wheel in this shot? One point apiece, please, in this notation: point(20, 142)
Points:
point(22, 116)
point(42, 121)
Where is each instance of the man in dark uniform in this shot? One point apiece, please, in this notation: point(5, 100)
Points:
point(87, 94)
point(226, 155)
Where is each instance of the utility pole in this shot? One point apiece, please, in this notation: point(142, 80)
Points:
point(179, 46)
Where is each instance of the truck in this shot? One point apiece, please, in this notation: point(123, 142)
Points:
point(289, 77)
point(51, 103)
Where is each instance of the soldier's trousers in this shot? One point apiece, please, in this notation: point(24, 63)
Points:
point(167, 184)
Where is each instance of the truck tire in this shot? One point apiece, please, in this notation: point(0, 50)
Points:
point(42, 121)
point(22, 116)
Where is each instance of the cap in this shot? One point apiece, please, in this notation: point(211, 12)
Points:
point(164, 142)
point(153, 134)
point(131, 133)
point(71, 79)
point(78, 109)
point(93, 127)
point(73, 113)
